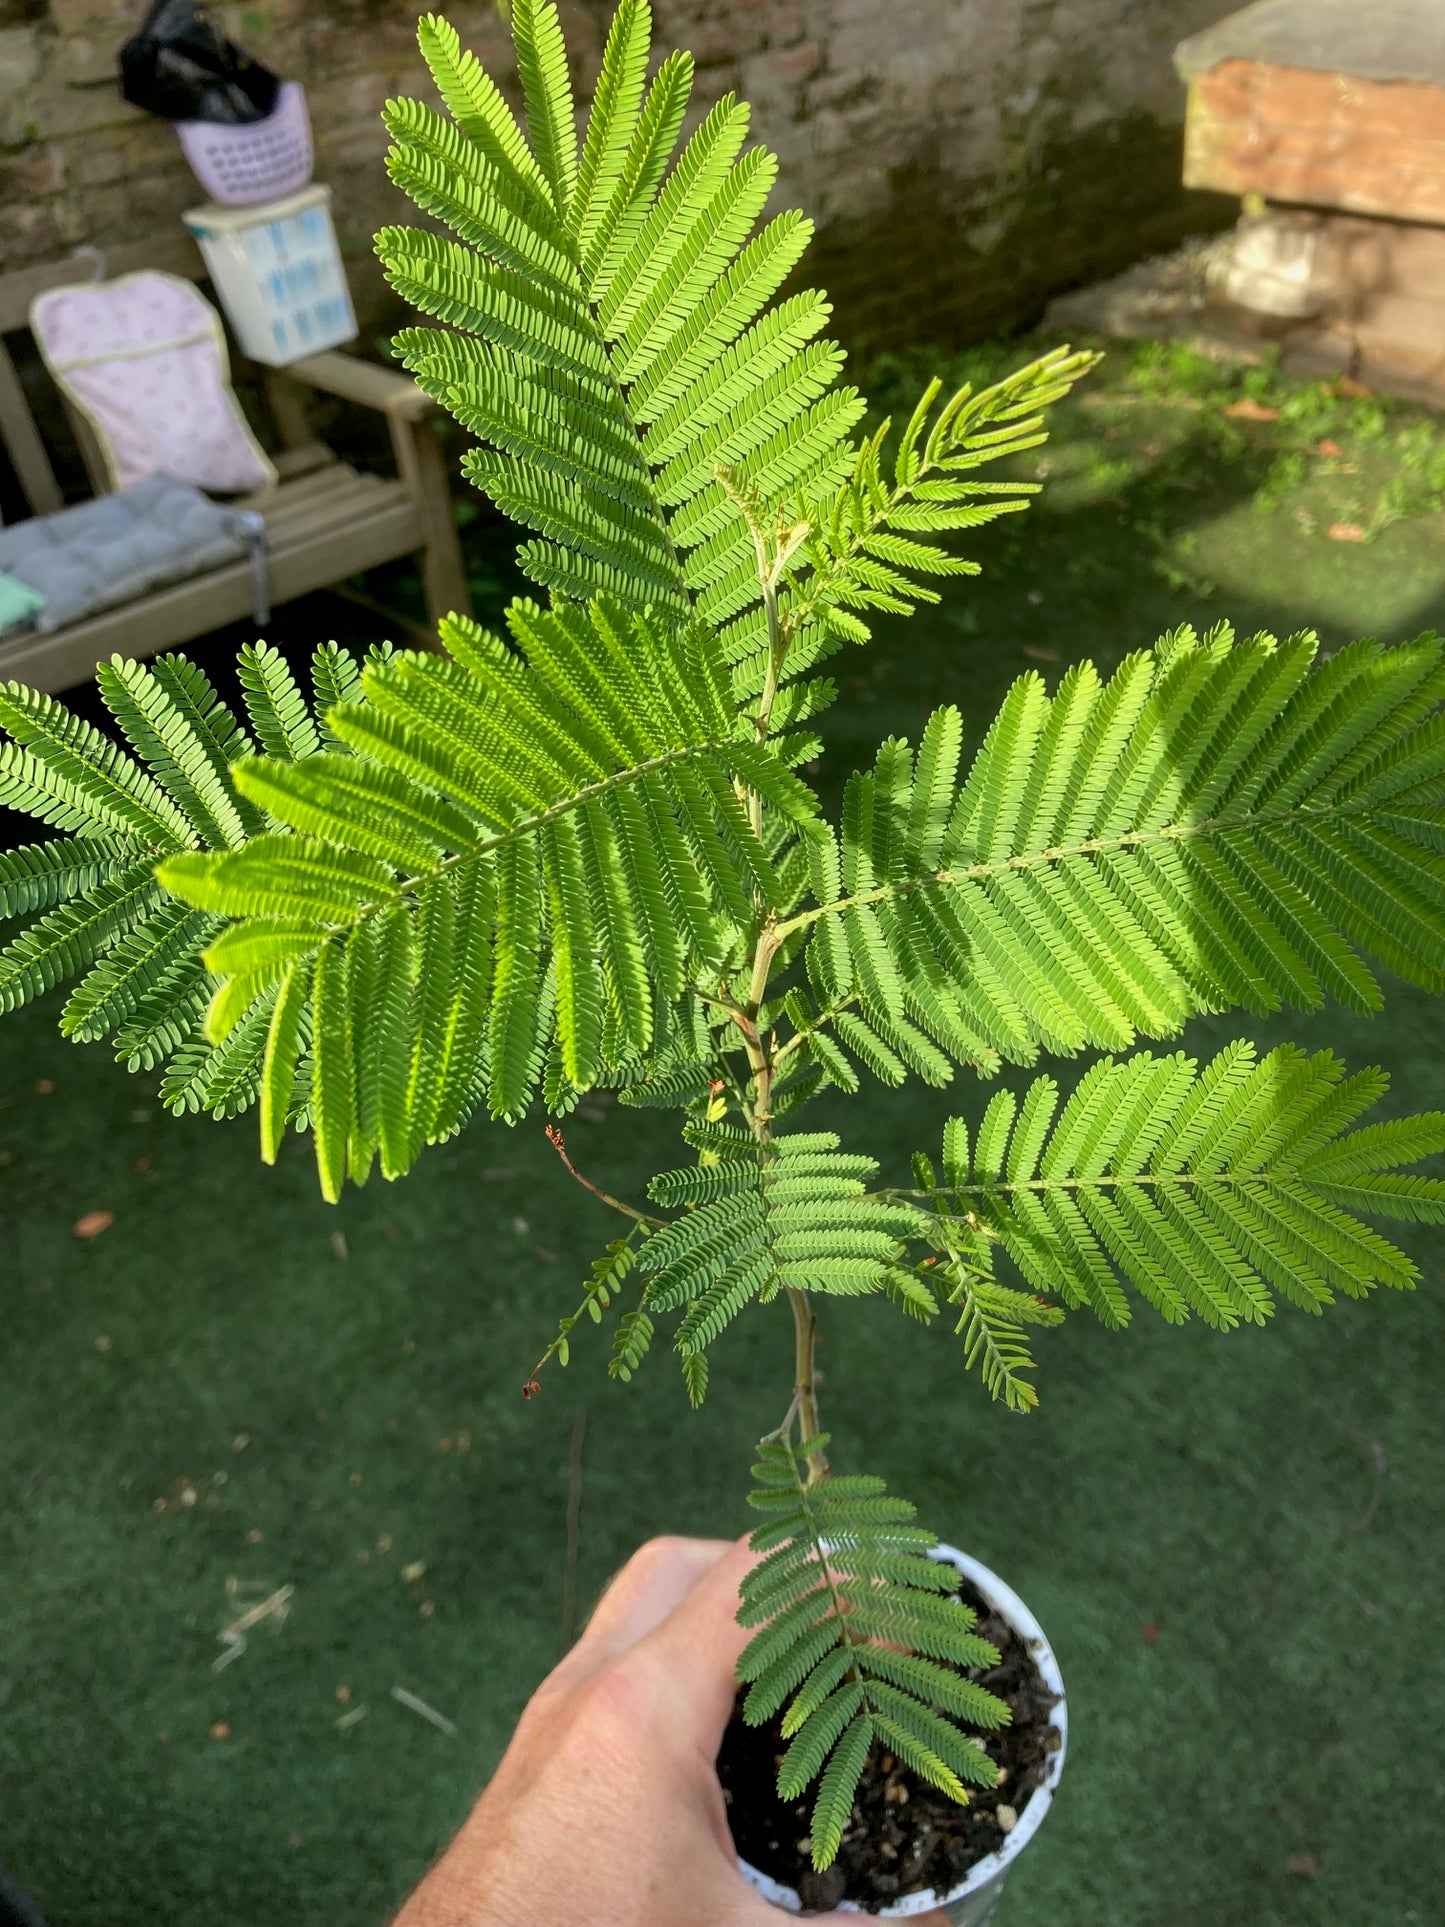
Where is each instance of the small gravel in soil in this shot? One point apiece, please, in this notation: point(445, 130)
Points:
point(904, 1835)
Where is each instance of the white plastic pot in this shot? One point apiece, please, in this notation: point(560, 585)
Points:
point(972, 1902)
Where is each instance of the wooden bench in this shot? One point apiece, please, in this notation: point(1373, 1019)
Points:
point(325, 521)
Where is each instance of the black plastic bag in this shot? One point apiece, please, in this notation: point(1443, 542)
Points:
point(182, 67)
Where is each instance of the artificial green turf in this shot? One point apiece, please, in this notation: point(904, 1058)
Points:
point(1268, 1504)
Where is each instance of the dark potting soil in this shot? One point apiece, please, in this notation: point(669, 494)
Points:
point(904, 1835)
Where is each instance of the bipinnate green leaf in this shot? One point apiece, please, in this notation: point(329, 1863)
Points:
point(553, 827)
point(609, 334)
point(1218, 823)
point(1212, 1191)
point(99, 916)
point(791, 1214)
point(861, 1639)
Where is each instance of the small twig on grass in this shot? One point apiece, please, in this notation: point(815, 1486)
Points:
point(414, 1705)
point(1380, 1460)
point(574, 1531)
point(233, 1637)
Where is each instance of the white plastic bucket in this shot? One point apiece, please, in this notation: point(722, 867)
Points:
point(277, 273)
point(972, 1902)
point(258, 160)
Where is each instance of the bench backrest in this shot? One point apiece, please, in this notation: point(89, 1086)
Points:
point(173, 253)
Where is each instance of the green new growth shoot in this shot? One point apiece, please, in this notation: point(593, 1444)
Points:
point(581, 855)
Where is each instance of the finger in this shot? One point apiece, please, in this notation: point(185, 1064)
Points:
point(693, 1653)
point(655, 1580)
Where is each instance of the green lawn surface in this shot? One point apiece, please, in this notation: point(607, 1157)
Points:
point(1235, 1543)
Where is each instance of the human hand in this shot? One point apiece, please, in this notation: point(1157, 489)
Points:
point(606, 1809)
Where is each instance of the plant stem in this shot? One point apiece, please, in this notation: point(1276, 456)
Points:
point(773, 555)
point(805, 1338)
point(777, 647)
point(558, 1144)
point(805, 1324)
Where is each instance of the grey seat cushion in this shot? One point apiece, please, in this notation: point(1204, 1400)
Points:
point(115, 548)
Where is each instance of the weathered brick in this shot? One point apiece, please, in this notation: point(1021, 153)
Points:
point(59, 112)
point(347, 98)
point(83, 16)
point(19, 58)
point(93, 218)
point(87, 60)
point(912, 130)
point(31, 173)
point(785, 26)
point(840, 90)
point(28, 232)
point(20, 65)
point(796, 63)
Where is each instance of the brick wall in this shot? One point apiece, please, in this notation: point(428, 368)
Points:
point(980, 153)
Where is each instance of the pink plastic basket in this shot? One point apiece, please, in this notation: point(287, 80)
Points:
point(259, 161)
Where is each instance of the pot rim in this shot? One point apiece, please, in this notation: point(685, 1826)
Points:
point(991, 1869)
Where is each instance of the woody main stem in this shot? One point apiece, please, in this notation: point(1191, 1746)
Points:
point(805, 1394)
point(805, 1324)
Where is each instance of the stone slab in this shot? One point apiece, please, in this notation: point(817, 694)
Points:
point(1380, 40)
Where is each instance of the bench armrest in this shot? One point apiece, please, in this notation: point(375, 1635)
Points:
point(420, 457)
point(362, 382)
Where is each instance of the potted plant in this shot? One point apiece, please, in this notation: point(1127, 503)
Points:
point(582, 854)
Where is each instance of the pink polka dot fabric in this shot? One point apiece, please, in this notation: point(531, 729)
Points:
point(144, 360)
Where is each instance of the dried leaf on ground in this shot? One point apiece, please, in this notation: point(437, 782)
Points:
point(1247, 409)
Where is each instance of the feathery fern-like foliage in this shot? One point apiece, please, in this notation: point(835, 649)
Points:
point(765, 1217)
point(103, 918)
point(1211, 1191)
point(513, 844)
point(605, 335)
point(863, 1641)
point(1218, 824)
point(868, 543)
point(609, 338)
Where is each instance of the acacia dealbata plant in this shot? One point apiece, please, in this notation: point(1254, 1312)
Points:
point(581, 854)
